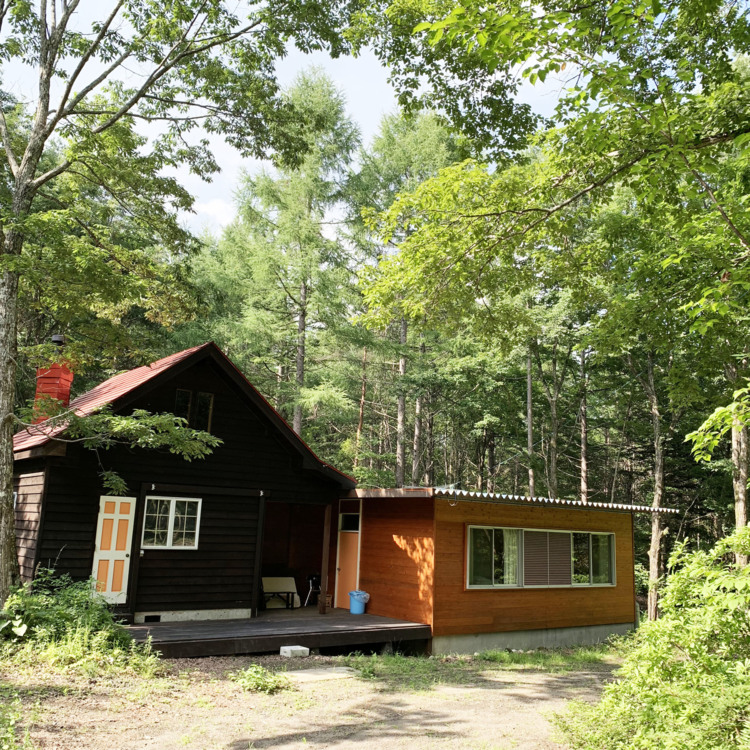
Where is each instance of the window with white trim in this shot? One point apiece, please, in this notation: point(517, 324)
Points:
point(544, 558)
point(171, 522)
point(494, 557)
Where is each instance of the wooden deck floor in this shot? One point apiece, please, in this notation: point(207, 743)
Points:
point(273, 629)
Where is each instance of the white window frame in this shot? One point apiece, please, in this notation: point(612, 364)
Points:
point(613, 568)
point(521, 584)
point(173, 501)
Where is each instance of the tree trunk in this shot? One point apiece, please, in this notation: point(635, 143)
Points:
point(429, 463)
point(300, 373)
point(529, 425)
point(401, 410)
point(491, 464)
point(656, 530)
point(416, 454)
point(361, 420)
point(554, 428)
point(739, 479)
point(417, 443)
point(584, 434)
point(10, 576)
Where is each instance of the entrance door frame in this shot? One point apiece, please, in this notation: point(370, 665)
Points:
point(112, 554)
point(336, 602)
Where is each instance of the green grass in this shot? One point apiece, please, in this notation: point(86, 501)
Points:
point(258, 679)
point(418, 673)
point(554, 660)
point(12, 734)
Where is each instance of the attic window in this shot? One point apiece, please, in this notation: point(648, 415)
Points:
point(196, 408)
point(182, 403)
point(204, 407)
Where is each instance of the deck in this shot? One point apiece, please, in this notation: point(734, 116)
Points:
point(273, 629)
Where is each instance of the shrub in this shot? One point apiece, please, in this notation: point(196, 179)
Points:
point(66, 624)
point(685, 679)
point(258, 679)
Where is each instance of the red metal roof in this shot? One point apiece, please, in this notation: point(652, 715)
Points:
point(104, 393)
point(121, 385)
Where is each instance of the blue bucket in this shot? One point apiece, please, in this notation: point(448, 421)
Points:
point(357, 601)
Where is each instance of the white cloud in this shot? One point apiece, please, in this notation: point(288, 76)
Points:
point(213, 214)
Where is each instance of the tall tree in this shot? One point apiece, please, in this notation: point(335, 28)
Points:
point(281, 260)
point(181, 65)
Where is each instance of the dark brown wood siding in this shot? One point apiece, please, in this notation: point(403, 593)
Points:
point(459, 610)
point(29, 489)
point(397, 556)
point(253, 457)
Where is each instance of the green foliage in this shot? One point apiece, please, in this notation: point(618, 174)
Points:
point(708, 436)
point(103, 429)
point(685, 679)
point(641, 579)
point(258, 679)
point(10, 723)
point(67, 625)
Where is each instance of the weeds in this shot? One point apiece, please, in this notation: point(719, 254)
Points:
point(258, 679)
point(398, 672)
point(10, 724)
point(555, 660)
point(66, 625)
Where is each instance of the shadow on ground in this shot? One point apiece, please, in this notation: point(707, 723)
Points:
point(371, 725)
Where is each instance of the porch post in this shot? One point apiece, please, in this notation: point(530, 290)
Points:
point(324, 565)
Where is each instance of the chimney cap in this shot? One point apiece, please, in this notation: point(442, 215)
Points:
point(58, 339)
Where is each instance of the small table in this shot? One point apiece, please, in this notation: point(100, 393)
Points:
point(281, 587)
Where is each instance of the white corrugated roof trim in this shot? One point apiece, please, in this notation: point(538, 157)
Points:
point(499, 497)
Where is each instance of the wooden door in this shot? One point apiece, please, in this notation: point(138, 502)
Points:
point(347, 558)
point(114, 534)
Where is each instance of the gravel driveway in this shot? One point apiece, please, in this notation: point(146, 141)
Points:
point(471, 704)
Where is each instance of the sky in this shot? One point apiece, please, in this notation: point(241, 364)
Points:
point(369, 96)
point(362, 80)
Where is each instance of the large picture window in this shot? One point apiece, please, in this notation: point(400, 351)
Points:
point(499, 557)
point(171, 523)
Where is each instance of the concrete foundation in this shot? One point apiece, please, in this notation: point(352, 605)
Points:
point(193, 615)
point(527, 639)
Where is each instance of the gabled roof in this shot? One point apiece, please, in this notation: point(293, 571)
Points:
point(122, 388)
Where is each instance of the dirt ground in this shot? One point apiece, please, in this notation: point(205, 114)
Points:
point(472, 704)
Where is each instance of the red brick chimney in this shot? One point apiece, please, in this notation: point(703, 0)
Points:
point(53, 383)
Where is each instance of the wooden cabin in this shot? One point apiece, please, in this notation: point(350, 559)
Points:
point(192, 540)
point(486, 570)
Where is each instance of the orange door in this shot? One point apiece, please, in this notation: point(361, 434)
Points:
point(347, 558)
point(114, 534)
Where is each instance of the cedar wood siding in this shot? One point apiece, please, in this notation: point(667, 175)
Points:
point(220, 573)
point(397, 557)
point(29, 487)
point(459, 610)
